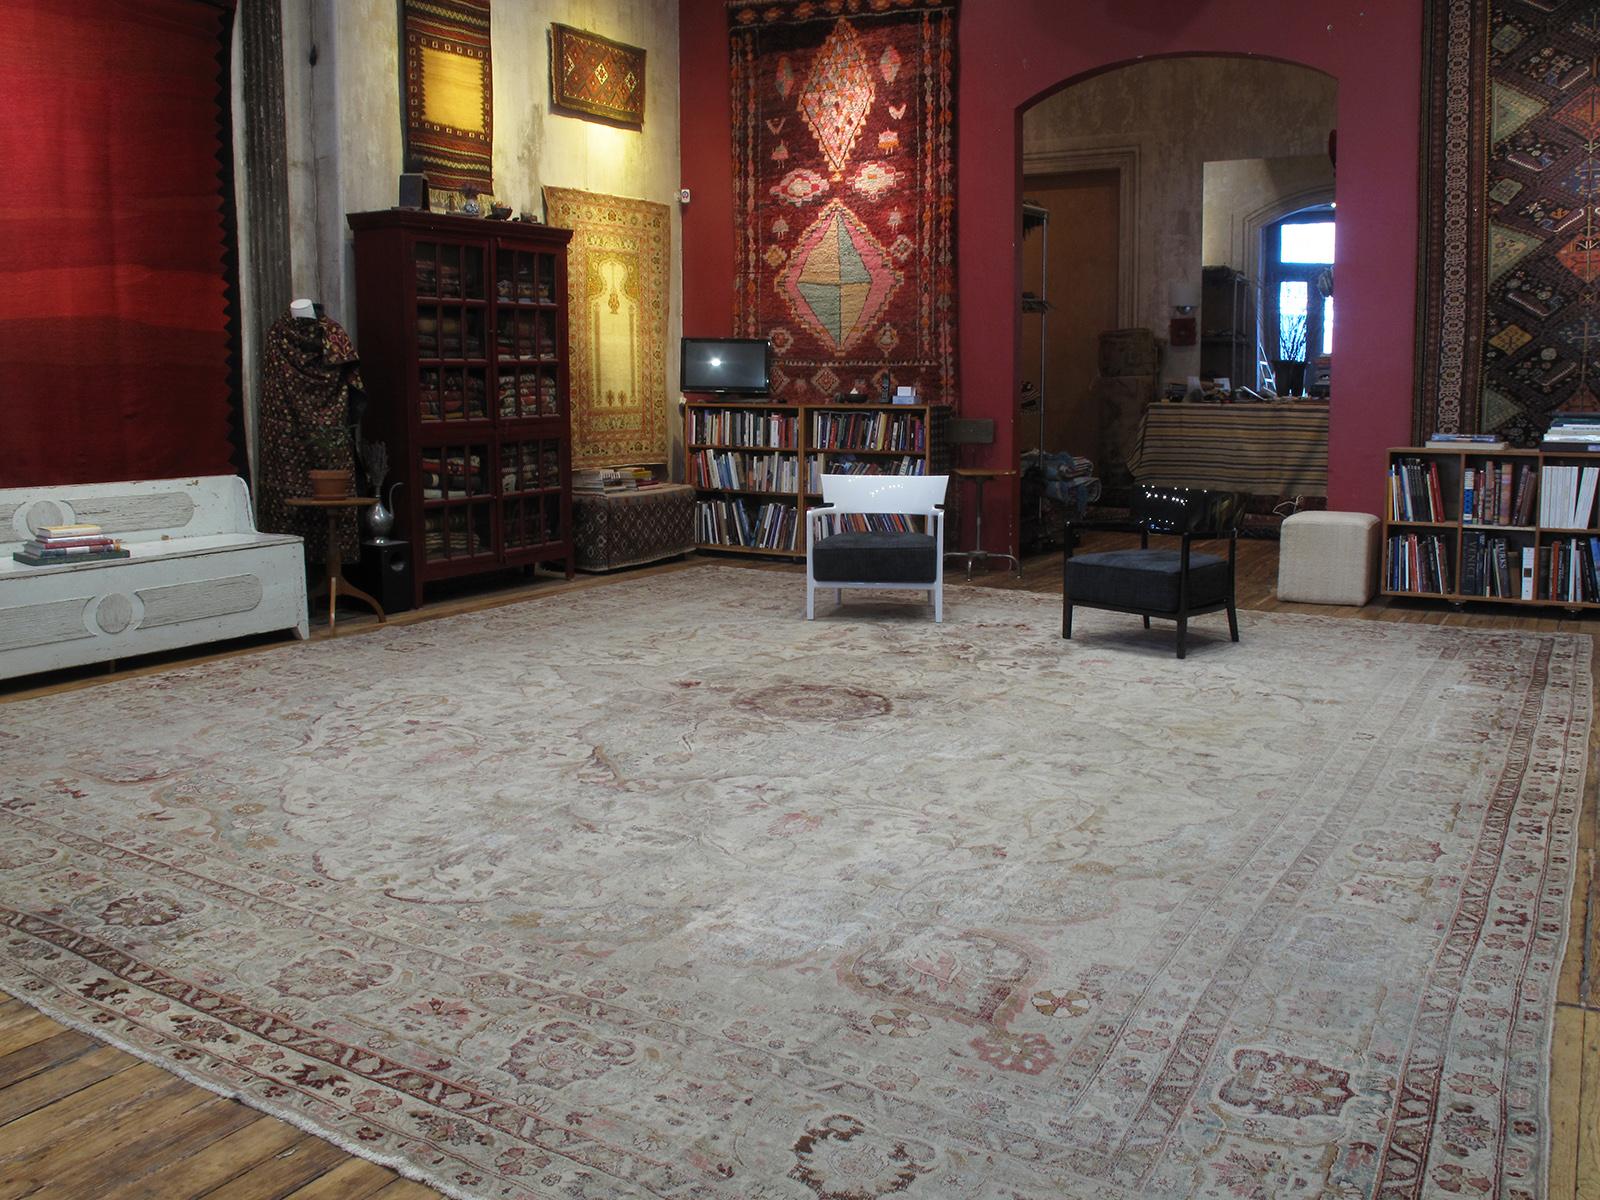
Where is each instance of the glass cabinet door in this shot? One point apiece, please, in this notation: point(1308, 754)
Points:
point(456, 501)
point(452, 378)
point(530, 482)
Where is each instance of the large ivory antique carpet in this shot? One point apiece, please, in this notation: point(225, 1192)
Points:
point(655, 889)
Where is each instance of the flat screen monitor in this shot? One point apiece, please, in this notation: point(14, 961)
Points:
point(726, 366)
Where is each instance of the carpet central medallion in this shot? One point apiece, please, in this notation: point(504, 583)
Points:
point(686, 897)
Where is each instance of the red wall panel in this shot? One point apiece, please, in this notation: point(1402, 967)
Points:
point(1011, 53)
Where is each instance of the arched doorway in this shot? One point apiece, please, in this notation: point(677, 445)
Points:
point(1150, 175)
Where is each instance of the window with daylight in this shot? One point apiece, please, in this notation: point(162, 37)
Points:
point(1299, 285)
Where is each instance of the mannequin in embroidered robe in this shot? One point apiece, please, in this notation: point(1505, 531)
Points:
point(309, 381)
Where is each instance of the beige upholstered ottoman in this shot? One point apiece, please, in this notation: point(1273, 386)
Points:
point(1328, 557)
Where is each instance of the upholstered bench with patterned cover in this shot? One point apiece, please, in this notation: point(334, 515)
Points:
point(626, 529)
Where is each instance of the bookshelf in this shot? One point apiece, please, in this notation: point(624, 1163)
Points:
point(756, 465)
point(462, 324)
point(1468, 524)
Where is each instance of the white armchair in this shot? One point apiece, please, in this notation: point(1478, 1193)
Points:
point(876, 557)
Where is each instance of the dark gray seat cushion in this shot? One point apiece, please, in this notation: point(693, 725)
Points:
point(1144, 579)
point(910, 558)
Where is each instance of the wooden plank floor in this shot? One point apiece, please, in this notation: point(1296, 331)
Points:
point(79, 1119)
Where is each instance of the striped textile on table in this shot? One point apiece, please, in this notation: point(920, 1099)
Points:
point(1268, 449)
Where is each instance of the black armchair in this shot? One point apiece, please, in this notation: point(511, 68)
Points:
point(1173, 584)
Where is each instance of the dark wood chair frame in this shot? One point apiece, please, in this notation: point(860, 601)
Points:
point(1189, 514)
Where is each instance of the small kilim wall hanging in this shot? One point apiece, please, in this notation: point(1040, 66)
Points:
point(1508, 322)
point(618, 265)
point(593, 76)
point(844, 193)
point(449, 115)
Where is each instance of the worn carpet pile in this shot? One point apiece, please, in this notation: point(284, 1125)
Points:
point(655, 889)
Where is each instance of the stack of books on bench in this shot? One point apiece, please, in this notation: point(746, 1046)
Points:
point(612, 479)
point(58, 545)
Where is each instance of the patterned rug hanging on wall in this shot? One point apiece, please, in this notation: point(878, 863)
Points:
point(1509, 320)
point(449, 94)
point(844, 194)
point(618, 267)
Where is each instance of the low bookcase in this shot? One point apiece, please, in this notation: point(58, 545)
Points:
point(756, 466)
point(1508, 526)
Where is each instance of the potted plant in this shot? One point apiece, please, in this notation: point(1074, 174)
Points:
point(1290, 370)
point(335, 475)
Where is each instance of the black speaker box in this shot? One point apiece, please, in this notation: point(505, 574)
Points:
point(385, 571)
point(414, 192)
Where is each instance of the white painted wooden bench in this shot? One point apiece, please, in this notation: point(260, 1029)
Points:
point(198, 572)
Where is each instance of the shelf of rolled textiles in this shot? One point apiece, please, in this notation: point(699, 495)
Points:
point(1473, 523)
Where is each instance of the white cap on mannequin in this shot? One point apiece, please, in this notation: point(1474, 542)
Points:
point(303, 309)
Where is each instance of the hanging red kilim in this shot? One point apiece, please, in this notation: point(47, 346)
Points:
point(449, 100)
point(844, 177)
point(119, 340)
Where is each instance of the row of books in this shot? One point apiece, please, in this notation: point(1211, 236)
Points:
point(844, 464)
point(1498, 494)
point(1492, 493)
point(736, 427)
point(1417, 563)
point(868, 431)
point(744, 471)
point(1496, 568)
point(1414, 492)
point(1566, 570)
point(1491, 566)
point(871, 523)
point(1567, 496)
point(57, 545)
point(766, 526)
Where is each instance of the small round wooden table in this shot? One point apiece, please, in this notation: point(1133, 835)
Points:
point(979, 477)
point(335, 584)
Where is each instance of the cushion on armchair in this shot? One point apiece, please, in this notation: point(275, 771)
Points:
point(1145, 579)
point(910, 558)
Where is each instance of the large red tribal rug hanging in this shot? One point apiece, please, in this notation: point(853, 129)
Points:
point(844, 184)
point(448, 92)
point(618, 266)
point(1509, 313)
point(119, 338)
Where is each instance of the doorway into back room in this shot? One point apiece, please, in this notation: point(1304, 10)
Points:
point(1071, 265)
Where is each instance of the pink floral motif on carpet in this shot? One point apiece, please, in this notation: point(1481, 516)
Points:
point(672, 893)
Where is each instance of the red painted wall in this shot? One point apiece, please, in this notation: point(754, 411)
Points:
point(1011, 53)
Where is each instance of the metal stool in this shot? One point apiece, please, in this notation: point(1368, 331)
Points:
point(979, 477)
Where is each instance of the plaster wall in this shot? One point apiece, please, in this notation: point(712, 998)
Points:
point(1238, 189)
point(1178, 113)
point(346, 141)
